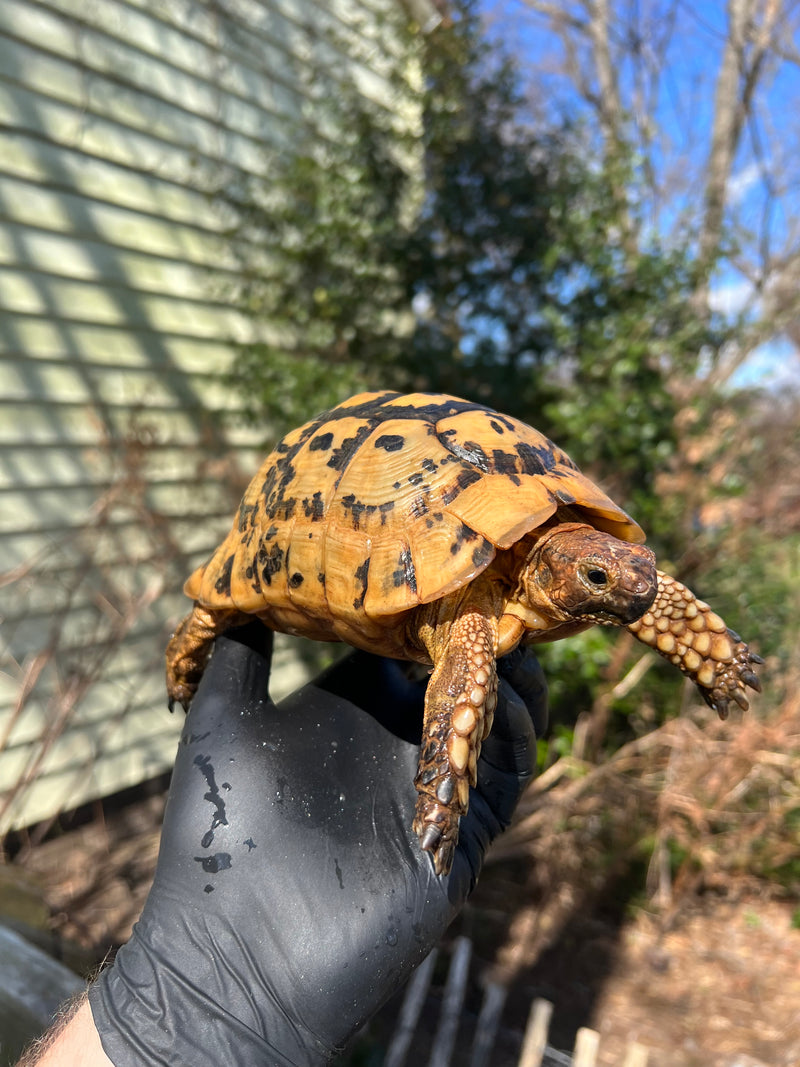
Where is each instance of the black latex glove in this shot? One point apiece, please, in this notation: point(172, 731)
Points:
point(291, 897)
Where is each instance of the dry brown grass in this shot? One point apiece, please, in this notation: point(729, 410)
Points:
point(707, 806)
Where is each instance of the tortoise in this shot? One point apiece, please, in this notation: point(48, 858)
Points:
point(437, 530)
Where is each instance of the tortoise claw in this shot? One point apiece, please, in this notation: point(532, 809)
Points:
point(436, 827)
point(751, 679)
point(741, 699)
point(431, 837)
point(720, 705)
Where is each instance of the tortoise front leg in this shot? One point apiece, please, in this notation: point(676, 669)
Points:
point(689, 634)
point(189, 648)
point(459, 707)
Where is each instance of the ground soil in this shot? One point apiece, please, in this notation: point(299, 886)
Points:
point(714, 984)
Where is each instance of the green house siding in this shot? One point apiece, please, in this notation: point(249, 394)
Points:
point(119, 463)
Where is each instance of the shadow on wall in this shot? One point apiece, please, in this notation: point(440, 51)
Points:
point(119, 469)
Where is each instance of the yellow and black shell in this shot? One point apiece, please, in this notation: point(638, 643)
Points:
point(386, 502)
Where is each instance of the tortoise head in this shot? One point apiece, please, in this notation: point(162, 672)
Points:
point(576, 572)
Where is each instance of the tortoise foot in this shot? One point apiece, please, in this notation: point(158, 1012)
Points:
point(189, 650)
point(459, 708)
point(436, 826)
point(732, 679)
point(689, 634)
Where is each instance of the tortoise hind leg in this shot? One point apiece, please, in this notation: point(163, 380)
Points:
point(689, 634)
point(190, 647)
point(459, 706)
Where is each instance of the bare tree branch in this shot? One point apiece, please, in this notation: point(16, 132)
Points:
point(739, 74)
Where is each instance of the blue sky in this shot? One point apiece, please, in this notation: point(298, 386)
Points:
point(764, 192)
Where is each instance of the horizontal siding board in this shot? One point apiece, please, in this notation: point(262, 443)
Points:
point(86, 342)
point(127, 554)
point(175, 471)
point(24, 510)
point(255, 36)
point(50, 166)
point(63, 212)
point(42, 293)
point(78, 428)
point(178, 158)
point(91, 67)
point(45, 521)
point(109, 116)
point(122, 456)
point(133, 683)
point(197, 530)
point(137, 740)
point(97, 365)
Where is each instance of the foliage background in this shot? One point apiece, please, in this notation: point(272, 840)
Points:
point(513, 261)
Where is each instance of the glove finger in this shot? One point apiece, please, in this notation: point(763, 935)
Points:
point(238, 672)
point(508, 755)
point(383, 688)
point(522, 670)
point(520, 716)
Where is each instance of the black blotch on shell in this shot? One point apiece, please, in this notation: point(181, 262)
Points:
point(391, 442)
point(283, 509)
point(405, 573)
point(314, 508)
point(464, 479)
point(342, 455)
point(321, 443)
point(296, 580)
point(361, 575)
point(535, 461)
point(357, 509)
point(223, 582)
point(463, 534)
point(251, 572)
point(247, 515)
point(271, 562)
point(469, 452)
point(483, 554)
point(384, 509)
point(505, 462)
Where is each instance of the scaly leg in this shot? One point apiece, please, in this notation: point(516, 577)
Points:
point(689, 634)
point(189, 648)
point(459, 707)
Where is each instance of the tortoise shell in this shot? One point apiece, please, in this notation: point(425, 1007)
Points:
point(386, 502)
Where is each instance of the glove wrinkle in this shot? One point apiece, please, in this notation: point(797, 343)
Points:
point(148, 996)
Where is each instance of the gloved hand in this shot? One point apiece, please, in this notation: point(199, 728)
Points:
point(291, 897)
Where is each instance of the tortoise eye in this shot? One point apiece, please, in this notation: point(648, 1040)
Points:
point(597, 576)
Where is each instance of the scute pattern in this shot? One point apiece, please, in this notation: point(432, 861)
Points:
point(389, 501)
